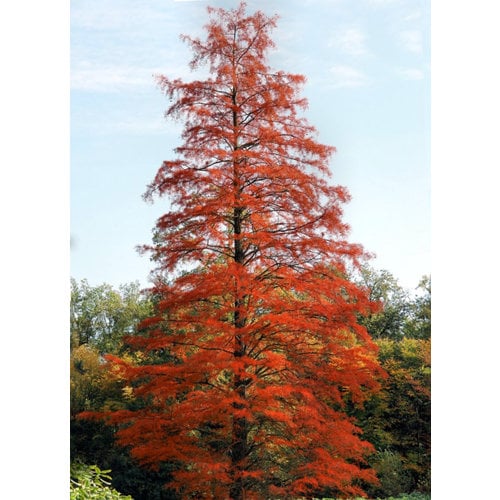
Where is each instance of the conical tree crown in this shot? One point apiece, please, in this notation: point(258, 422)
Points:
point(257, 321)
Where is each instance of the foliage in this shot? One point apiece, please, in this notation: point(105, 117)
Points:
point(389, 320)
point(408, 388)
point(96, 385)
point(93, 382)
point(256, 320)
point(394, 479)
point(100, 316)
point(418, 324)
point(397, 420)
point(88, 481)
point(411, 496)
point(94, 442)
point(415, 495)
point(400, 315)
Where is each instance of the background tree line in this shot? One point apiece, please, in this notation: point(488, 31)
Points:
point(396, 420)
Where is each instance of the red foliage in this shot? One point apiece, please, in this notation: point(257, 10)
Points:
point(256, 311)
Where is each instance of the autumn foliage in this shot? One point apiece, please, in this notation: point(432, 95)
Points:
point(256, 321)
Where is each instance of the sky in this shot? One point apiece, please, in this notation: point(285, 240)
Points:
point(367, 65)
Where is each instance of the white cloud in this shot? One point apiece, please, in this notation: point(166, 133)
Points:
point(134, 126)
point(412, 41)
point(147, 119)
point(350, 41)
point(128, 127)
point(106, 15)
point(411, 73)
point(347, 76)
point(110, 79)
point(91, 77)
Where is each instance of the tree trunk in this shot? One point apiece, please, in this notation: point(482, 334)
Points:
point(239, 445)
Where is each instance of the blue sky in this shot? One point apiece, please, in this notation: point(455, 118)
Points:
point(367, 64)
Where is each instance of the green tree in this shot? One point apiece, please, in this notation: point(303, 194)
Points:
point(418, 323)
point(397, 420)
point(394, 302)
point(100, 316)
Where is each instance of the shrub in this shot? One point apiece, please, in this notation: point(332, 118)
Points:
point(89, 482)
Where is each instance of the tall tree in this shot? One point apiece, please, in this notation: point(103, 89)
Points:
point(256, 312)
